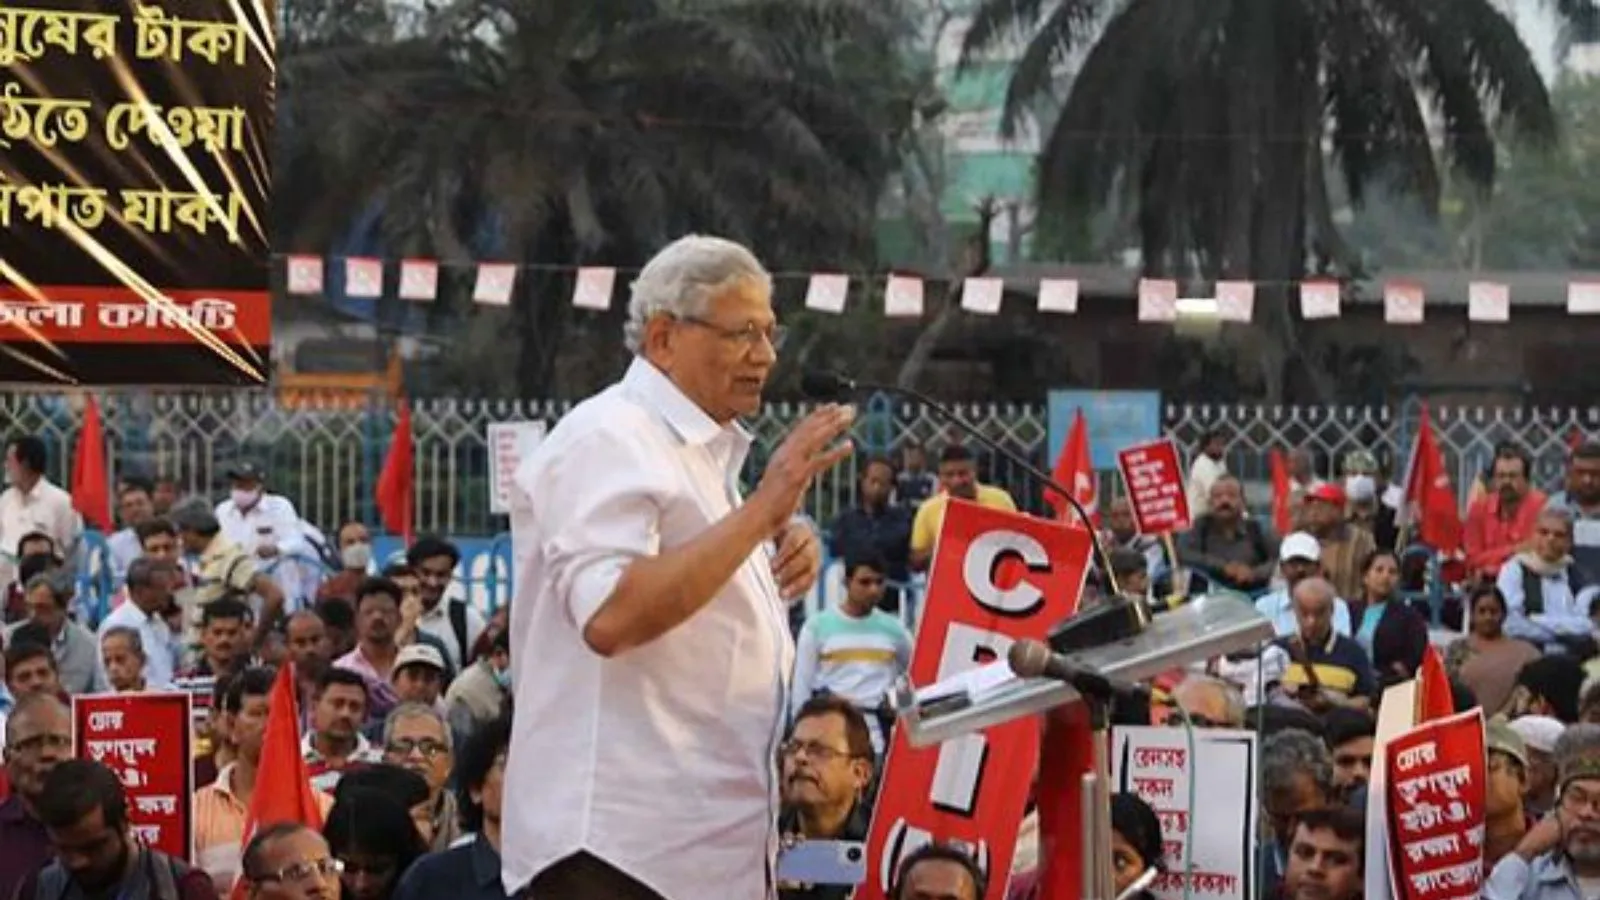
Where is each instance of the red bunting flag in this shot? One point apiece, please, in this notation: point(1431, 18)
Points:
point(1075, 469)
point(91, 488)
point(396, 488)
point(1282, 520)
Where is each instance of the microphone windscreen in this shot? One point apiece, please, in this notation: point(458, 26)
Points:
point(1029, 659)
point(820, 384)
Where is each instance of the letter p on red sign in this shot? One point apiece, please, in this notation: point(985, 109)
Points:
point(997, 577)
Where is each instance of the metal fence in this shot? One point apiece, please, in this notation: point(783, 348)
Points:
point(327, 460)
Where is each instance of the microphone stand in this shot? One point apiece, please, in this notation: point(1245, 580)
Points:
point(1015, 458)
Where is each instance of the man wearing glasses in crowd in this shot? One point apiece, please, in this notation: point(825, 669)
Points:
point(289, 861)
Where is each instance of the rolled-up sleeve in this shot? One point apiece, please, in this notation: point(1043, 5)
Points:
point(602, 500)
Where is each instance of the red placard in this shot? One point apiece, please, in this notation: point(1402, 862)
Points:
point(1155, 486)
point(144, 739)
point(1436, 781)
point(997, 577)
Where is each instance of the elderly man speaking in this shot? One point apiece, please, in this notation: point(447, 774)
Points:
point(649, 628)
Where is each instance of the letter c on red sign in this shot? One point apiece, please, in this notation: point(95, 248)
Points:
point(977, 570)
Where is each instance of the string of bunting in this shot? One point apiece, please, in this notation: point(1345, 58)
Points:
point(903, 295)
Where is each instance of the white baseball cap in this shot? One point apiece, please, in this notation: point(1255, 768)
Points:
point(1538, 732)
point(419, 655)
point(1300, 545)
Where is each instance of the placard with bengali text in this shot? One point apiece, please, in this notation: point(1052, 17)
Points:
point(135, 181)
point(144, 740)
point(1153, 474)
point(1436, 800)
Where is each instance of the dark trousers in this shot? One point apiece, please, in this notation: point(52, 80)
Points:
point(584, 876)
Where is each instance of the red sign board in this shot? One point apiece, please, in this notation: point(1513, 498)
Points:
point(1154, 478)
point(997, 577)
point(1436, 783)
point(144, 739)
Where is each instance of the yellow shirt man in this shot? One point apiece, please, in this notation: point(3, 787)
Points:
point(930, 516)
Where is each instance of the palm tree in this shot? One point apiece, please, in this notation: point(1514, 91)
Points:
point(593, 131)
point(1208, 121)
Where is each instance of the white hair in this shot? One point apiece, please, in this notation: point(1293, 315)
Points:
point(682, 278)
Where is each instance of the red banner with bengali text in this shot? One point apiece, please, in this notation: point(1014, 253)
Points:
point(997, 577)
point(1436, 790)
point(1153, 474)
point(144, 740)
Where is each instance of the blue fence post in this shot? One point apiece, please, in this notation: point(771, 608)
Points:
point(878, 431)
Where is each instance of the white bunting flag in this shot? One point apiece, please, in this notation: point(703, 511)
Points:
point(593, 288)
point(982, 295)
point(1058, 295)
point(1583, 298)
point(419, 279)
point(1319, 299)
point(1158, 300)
point(1488, 301)
point(1236, 301)
point(902, 296)
point(827, 292)
point(305, 274)
point(495, 281)
point(363, 277)
point(1402, 303)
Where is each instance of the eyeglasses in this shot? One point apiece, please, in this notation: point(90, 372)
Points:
point(305, 871)
point(40, 742)
point(428, 747)
point(812, 750)
point(1576, 800)
point(750, 334)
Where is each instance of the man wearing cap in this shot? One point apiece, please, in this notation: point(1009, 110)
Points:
point(1344, 546)
point(1505, 819)
point(418, 675)
point(264, 524)
point(1539, 736)
point(1558, 858)
point(1299, 558)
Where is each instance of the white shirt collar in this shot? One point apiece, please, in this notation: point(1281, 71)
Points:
point(691, 423)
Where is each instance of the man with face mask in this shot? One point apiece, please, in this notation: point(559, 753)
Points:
point(263, 524)
point(479, 695)
point(85, 812)
point(355, 563)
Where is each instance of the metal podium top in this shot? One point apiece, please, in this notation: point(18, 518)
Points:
point(1207, 627)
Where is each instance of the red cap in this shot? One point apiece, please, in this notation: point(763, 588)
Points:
point(1327, 492)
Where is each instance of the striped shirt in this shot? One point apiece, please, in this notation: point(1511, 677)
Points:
point(219, 820)
point(855, 658)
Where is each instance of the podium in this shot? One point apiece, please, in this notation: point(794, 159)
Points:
point(1074, 785)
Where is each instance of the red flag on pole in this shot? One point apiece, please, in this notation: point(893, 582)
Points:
point(1435, 700)
point(1281, 489)
point(283, 787)
point(396, 489)
point(1075, 469)
point(1429, 493)
point(91, 489)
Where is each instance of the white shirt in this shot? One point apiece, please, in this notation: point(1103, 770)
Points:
point(46, 509)
point(1203, 473)
point(436, 622)
point(664, 761)
point(273, 521)
point(160, 648)
point(122, 548)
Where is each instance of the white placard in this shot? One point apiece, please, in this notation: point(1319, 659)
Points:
point(1219, 829)
point(509, 444)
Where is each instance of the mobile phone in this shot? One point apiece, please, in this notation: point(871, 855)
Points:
point(824, 862)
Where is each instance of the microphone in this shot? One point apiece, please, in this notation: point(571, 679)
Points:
point(827, 384)
point(1033, 659)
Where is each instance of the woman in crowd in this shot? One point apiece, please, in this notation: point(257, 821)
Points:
point(1392, 633)
point(373, 835)
point(1487, 660)
point(1136, 848)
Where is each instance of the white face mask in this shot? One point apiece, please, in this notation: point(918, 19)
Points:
point(1360, 488)
point(243, 499)
point(356, 556)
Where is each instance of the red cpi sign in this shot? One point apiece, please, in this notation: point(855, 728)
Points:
point(997, 577)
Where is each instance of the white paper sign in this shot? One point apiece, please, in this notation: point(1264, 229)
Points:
point(1219, 829)
point(509, 444)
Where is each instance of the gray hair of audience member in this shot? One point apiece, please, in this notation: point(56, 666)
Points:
point(1291, 753)
point(28, 706)
point(143, 570)
point(131, 635)
point(413, 710)
point(194, 516)
point(1559, 514)
point(683, 277)
point(1232, 699)
point(1580, 739)
point(1316, 587)
point(57, 581)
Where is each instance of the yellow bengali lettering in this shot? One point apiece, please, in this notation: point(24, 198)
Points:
point(43, 121)
point(213, 40)
point(125, 119)
point(217, 128)
point(220, 128)
point(149, 210)
point(7, 193)
point(155, 35)
point(158, 36)
point(23, 39)
point(19, 35)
